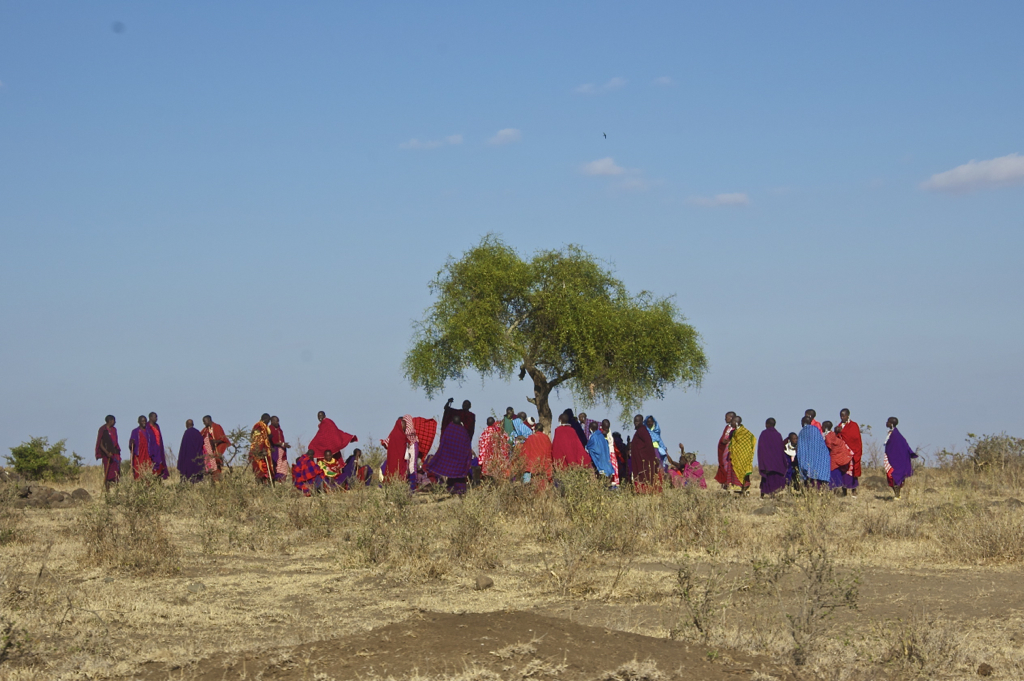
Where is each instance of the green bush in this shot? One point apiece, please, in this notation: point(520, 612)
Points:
point(37, 459)
point(995, 451)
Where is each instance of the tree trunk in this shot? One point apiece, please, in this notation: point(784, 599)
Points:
point(540, 397)
point(541, 391)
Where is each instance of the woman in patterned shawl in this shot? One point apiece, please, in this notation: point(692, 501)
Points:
point(812, 455)
point(741, 454)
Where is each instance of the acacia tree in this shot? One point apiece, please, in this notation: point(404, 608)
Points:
point(562, 319)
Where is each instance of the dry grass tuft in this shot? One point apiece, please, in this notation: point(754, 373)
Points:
point(125, 531)
point(977, 535)
point(635, 671)
point(516, 650)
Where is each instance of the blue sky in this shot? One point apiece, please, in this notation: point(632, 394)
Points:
point(231, 208)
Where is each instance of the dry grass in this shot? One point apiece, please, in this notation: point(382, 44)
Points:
point(172, 573)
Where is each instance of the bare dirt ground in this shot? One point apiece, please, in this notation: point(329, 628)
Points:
point(248, 583)
point(481, 645)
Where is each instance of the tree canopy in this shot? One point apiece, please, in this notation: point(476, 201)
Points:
point(560, 317)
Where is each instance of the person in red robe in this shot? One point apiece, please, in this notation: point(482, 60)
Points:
point(215, 443)
point(467, 417)
point(644, 459)
point(402, 446)
point(842, 459)
point(724, 474)
point(537, 458)
point(811, 414)
point(329, 437)
point(278, 450)
point(566, 448)
point(139, 446)
point(108, 450)
point(850, 432)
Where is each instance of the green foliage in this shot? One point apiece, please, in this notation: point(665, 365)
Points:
point(995, 451)
point(239, 436)
point(560, 317)
point(37, 459)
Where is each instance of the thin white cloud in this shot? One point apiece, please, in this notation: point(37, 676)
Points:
point(431, 144)
point(506, 136)
point(974, 175)
point(636, 184)
point(664, 81)
point(591, 89)
point(416, 144)
point(602, 167)
point(733, 199)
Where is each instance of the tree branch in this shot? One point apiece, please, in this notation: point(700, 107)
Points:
point(562, 379)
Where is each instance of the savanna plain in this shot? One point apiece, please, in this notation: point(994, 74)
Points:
point(242, 581)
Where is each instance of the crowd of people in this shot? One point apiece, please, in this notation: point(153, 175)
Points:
point(516, 447)
point(821, 455)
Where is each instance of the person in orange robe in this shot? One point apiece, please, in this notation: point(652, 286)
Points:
point(259, 449)
point(215, 443)
point(850, 432)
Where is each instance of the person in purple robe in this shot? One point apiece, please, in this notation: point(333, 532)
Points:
point(190, 454)
point(157, 451)
point(108, 451)
point(453, 457)
point(772, 462)
point(354, 473)
point(898, 457)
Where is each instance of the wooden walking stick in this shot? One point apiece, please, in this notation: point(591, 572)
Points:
point(270, 468)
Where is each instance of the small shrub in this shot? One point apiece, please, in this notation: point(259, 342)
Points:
point(390, 535)
point(374, 456)
point(37, 459)
point(9, 521)
point(698, 519)
point(995, 451)
point(12, 639)
point(472, 530)
point(10, 517)
point(924, 645)
point(821, 592)
point(702, 600)
point(124, 531)
point(239, 437)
